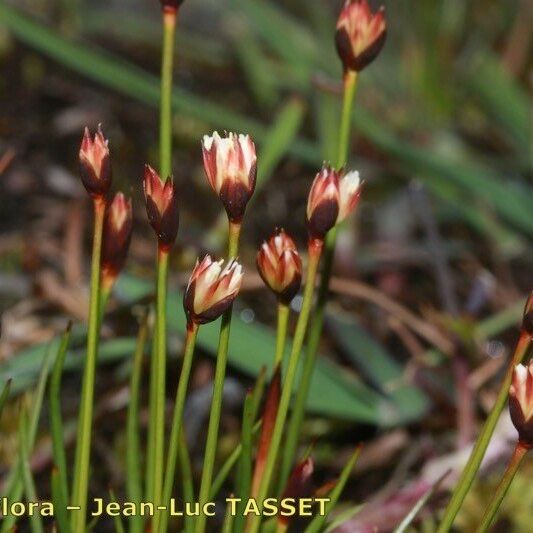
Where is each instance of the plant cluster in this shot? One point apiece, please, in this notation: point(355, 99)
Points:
point(266, 460)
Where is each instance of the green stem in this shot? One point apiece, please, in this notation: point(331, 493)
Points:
point(165, 108)
point(315, 329)
point(283, 321)
point(160, 385)
point(474, 461)
point(218, 389)
point(518, 454)
point(187, 481)
point(288, 383)
point(56, 421)
point(83, 441)
point(174, 440)
point(133, 453)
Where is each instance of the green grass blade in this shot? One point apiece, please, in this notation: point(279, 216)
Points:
point(187, 480)
point(229, 463)
point(119, 526)
point(133, 446)
point(417, 507)
point(318, 522)
point(56, 421)
point(36, 523)
point(60, 505)
point(380, 368)
point(14, 485)
point(4, 395)
point(132, 81)
point(244, 469)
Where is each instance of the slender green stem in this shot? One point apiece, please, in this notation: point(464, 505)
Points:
point(160, 381)
point(317, 323)
point(244, 469)
point(152, 395)
point(186, 479)
point(133, 446)
point(283, 321)
point(288, 383)
point(165, 108)
point(519, 453)
point(174, 441)
point(36, 524)
point(56, 421)
point(477, 454)
point(83, 441)
point(218, 389)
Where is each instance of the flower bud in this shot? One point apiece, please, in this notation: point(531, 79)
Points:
point(521, 402)
point(95, 164)
point(231, 167)
point(118, 224)
point(332, 198)
point(360, 34)
point(161, 206)
point(211, 289)
point(280, 266)
point(298, 485)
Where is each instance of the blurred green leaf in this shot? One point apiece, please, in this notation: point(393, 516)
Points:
point(4, 395)
point(379, 367)
point(501, 98)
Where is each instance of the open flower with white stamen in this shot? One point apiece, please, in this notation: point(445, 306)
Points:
point(360, 34)
point(231, 167)
point(280, 266)
point(161, 206)
point(95, 163)
point(333, 196)
point(211, 289)
point(521, 402)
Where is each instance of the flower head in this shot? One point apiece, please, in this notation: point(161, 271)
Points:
point(231, 167)
point(118, 224)
point(95, 164)
point(332, 198)
point(521, 402)
point(360, 34)
point(161, 206)
point(298, 485)
point(280, 266)
point(211, 289)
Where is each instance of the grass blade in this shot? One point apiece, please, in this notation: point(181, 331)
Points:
point(36, 524)
point(187, 480)
point(4, 395)
point(133, 447)
point(406, 522)
point(14, 485)
point(318, 522)
point(60, 505)
point(244, 469)
point(56, 422)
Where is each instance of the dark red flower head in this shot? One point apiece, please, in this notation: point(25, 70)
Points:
point(118, 225)
point(521, 402)
point(280, 266)
point(95, 164)
point(360, 34)
point(161, 206)
point(299, 484)
point(211, 289)
point(231, 167)
point(332, 198)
